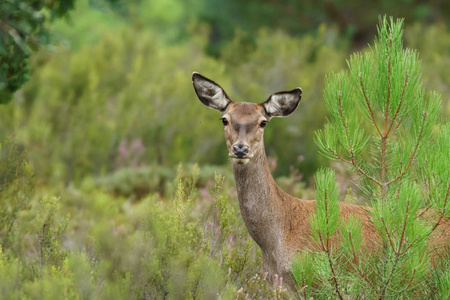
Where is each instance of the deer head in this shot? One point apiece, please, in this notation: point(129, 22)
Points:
point(244, 122)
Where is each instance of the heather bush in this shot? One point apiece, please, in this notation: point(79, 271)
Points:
point(16, 188)
point(111, 247)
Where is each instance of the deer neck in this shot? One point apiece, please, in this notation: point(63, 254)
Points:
point(260, 201)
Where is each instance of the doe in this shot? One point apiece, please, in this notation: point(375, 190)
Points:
point(277, 221)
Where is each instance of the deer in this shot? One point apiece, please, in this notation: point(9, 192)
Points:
point(276, 221)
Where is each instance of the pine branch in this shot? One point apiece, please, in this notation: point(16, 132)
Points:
point(353, 161)
point(361, 274)
point(326, 248)
point(409, 284)
point(435, 226)
point(386, 110)
point(413, 154)
point(386, 117)
point(398, 125)
point(334, 276)
point(405, 223)
point(387, 81)
point(338, 156)
point(368, 103)
point(336, 286)
point(383, 167)
point(394, 267)
point(388, 234)
point(360, 170)
point(444, 209)
point(326, 221)
point(399, 106)
point(424, 211)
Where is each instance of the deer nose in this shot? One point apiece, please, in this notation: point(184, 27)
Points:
point(240, 150)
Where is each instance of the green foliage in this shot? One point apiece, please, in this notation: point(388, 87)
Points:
point(24, 26)
point(435, 172)
point(50, 232)
point(16, 186)
point(223, 229)
point(440, 282)
point(351, 235)
point(225, 214)
point(22, 29)
point(171, 254)
point(385, 126)
point(97, 120)
point(324, 222)
point(304, 272)
point(157, 248)
point(112, 102)
point(300, 17)
point(378, 85)
point(136, 182)
point(97, 94)
point(117, 115)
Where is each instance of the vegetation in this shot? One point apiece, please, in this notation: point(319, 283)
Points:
point(191, 246)
point(22, 30)
point(93, 202)
point(381, 123)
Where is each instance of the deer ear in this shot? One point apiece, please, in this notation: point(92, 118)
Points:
point(283, 103)
point(210, 93)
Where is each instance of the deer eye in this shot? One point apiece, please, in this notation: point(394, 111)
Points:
point(263, 124)
point(224, 121)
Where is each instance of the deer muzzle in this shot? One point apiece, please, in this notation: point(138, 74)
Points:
point(240, 150)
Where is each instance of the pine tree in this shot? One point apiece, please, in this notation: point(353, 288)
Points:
point(384, 126)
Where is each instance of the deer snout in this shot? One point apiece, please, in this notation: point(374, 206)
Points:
point(240, 150)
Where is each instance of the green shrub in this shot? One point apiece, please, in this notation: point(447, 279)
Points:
point(113, 248)
point(16, 188)
point(170, 253)
point(50, 232)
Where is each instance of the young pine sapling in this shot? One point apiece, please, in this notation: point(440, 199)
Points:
point(384, 126)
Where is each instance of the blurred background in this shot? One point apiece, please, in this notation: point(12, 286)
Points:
point(110, 81)
point(108, 161)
